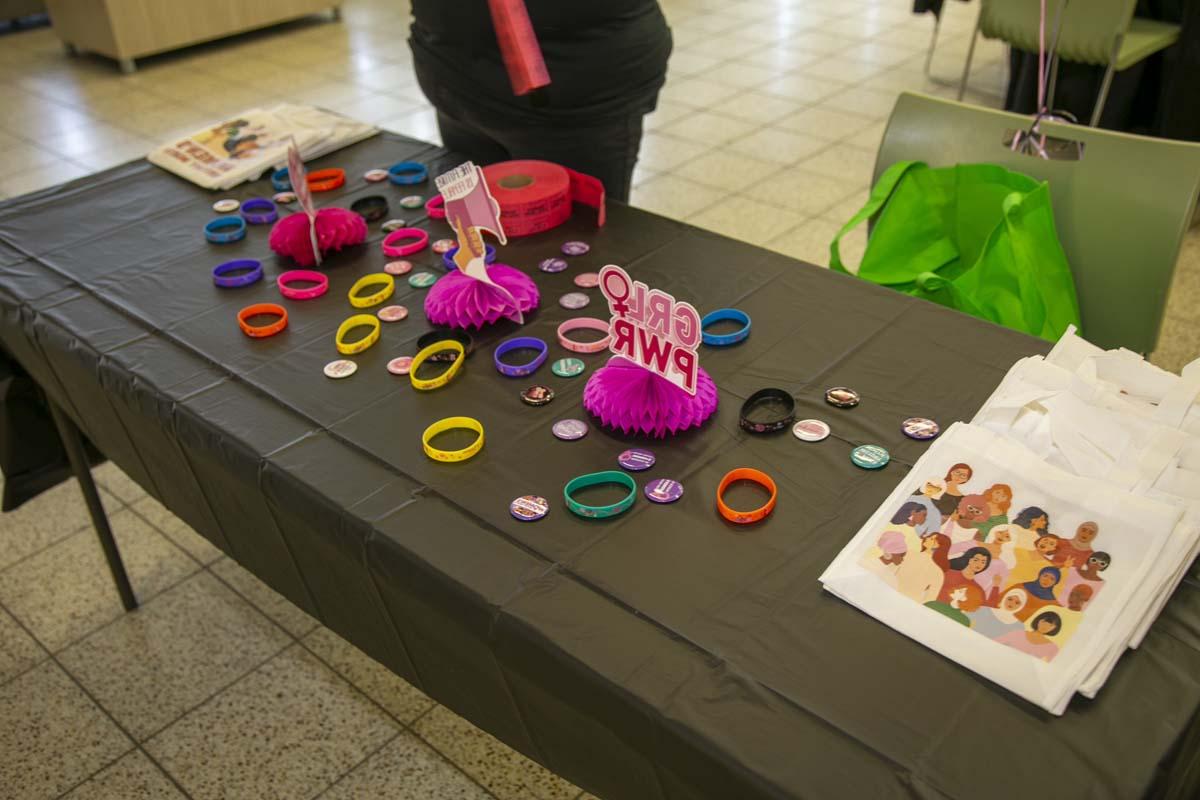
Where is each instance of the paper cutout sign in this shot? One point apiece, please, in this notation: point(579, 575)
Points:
point(651, 328)
point(471, 210)
point(298, 177)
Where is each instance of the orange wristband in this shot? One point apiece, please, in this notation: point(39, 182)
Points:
point(260, 331)
point(325, 180)
point(746, 474)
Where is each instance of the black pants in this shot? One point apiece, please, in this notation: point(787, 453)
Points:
point(606, 150)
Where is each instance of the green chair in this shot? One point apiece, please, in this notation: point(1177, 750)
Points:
point(1093, 32)
point(1121, 210)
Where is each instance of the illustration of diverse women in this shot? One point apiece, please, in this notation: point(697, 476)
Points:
point(905, 521)
point(1003, 548)
point(1031, 561)
point(887, 556)
point(956, 476)
point(921, 574)
point(960, 528)
point(1037, 640)
point(952, 608)
point(1040, 591)
point(961, 574)
point(927, 496)
point(995, 622)
point(1086, 574)
point(999, 498)
point(1034, 522)
point(1072, 615)
point(1078, 548)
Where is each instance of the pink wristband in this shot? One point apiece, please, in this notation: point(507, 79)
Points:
point(435, 207)
point(420, 240)
point(584, 323)
point(308, 292)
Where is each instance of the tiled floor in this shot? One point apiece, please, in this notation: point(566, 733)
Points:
point(218, 687)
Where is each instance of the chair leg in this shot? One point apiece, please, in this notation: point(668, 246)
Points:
point(1053, 83)
point(73, 444)
point(1103, 97)
point(937, 24)
point(962, 86)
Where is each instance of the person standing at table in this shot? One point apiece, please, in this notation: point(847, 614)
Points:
point(606, 62)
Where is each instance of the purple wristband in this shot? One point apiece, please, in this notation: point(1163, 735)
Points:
point(520, 343)
point(259, 211)
point(222, 278)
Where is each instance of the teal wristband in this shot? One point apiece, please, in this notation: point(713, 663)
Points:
point(595, 479)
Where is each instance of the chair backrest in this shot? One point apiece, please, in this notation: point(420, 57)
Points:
point(1121, 210)
point(1089, 27)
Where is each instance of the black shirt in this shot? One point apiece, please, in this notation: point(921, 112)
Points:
point(605, 57)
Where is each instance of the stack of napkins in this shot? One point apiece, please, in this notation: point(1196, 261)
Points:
point(249, 144)
point(1039, 542)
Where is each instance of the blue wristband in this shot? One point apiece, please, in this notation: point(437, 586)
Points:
point(224, 230)
point(281, 180)
point(448, 256)
point(407, 173)
point(259, 211)
point(222, 278)
point(520, 343)
point(720, 340)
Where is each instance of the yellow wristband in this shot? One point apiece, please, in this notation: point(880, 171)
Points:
point(350, 348)
point(381, 278)
point(449, 424)
point(445, 377)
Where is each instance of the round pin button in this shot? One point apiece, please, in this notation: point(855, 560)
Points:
point(342, 368)
point(398, 267)
point(284, 198)
point(537, 395)
point(529, 507)
point(226, 206)
point(810, 430)
point(570, 429)
point(575, 248)
point(587, 280)
point(841, 397)
point(574, 300)
point(920, 428)
point(422, 280)
point(375, 175)
point(393, 225)
point(870, 456)
point(443, 246)
point(401, 365)
point(568, 367)
point(552, 265)
point(663, 490)
point(412, 201)
point(635, 459)
point(392, 313)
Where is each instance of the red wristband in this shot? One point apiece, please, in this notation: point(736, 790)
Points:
point(325, 180)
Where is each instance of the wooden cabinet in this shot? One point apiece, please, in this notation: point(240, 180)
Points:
point(129, 29)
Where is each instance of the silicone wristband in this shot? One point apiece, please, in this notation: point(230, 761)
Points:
point(394, 250)
point(450, 424)
point(723, 339)
point(596, 479)
point(407, 173)
point(746, 474)
point(350, 348)
point(771, 425)
point(224, 230)
point(372, 208)
point(262, 331)
point(326, 180)
point(521, 343)
point(374, 279)
point(302, 275)
point(222, 278)
point(462, 337)
point(441, 380)
point(448, 256)
point(580, 324)
point(281, 180)
point(259, 211)
point(435, 207)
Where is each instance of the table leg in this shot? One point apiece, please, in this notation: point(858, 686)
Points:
point(127, 65)
point(73, 444)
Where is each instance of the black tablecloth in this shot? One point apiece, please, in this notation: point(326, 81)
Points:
point(660, 654)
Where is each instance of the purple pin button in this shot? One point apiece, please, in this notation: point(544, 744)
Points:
point(663, 490)
point(529, 507)
point(636, 459)
point(553, 265)
point(575, 248)
point(570, 429)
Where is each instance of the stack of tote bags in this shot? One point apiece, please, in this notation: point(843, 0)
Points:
point(1037, 543)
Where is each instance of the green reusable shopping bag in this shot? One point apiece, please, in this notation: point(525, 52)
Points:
point(974, 237)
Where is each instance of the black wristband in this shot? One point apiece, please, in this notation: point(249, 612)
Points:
point(770, 425)
point(461, 337)
point(372, 208)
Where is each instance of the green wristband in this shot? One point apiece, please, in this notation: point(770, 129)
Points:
point(595, 479)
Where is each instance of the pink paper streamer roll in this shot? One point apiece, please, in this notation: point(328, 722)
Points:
point(460, 301)
point(633, 399)
point(336, 228)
